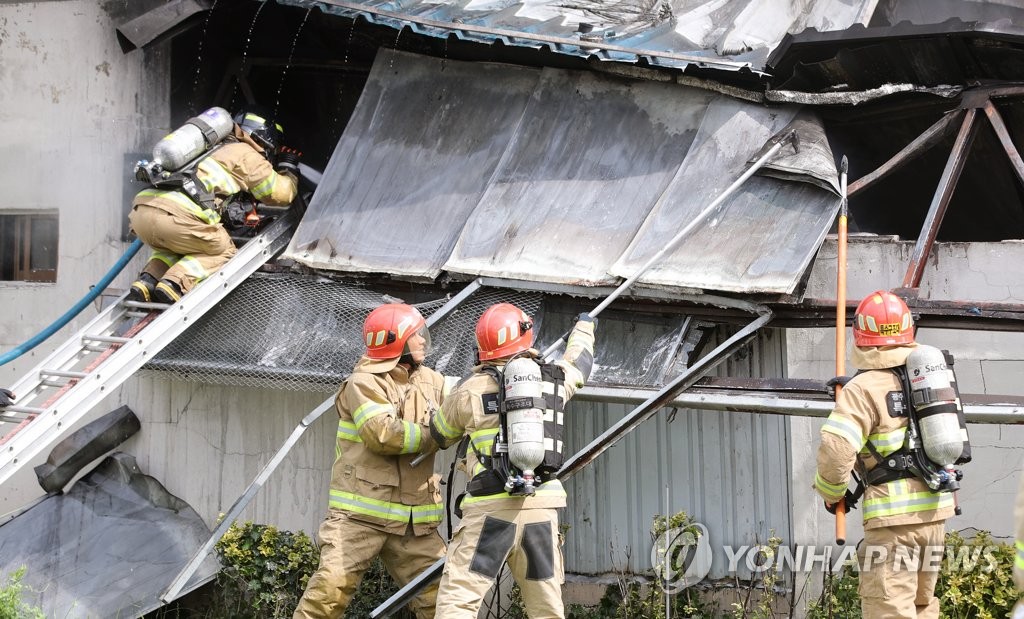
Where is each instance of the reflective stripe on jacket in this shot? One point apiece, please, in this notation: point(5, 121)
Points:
point(462, 414)
point(381, 429)
point(864, 414)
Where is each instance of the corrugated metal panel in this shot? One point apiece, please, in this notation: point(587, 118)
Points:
point(727, 470)
point(728, 35)
point(417, 154)
point(584, 161)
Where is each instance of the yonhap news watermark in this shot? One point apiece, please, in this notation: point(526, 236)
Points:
point(683, 557)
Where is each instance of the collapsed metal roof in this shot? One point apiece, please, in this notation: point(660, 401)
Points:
point(108, 546)
point(564, 177)
point(729, 35)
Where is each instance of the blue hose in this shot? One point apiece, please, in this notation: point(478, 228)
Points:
point(94, 292)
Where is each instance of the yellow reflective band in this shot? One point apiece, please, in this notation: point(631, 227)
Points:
point(836, 490)
point(888, 442)
point(1018, 562)
point(441, 425)
point(215, 178)
point(166, 257)
point(483, 440)
point(347, 431)
point(413, 437)
point(194, 268)
point(426, 514)
point(844, 427)
point(368, 410)
point(552, 488)
point(908, 503)
point(185, 202)
point(386, 510)
point(265, 188)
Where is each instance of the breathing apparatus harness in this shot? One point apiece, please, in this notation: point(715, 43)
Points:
point(505, 469)
point(911, 459)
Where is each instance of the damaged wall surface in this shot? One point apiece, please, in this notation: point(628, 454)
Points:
point(77, 113)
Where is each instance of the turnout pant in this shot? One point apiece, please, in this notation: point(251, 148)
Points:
point(528, 539)
point(347, 547)
point(899, 568)
point(185, 250)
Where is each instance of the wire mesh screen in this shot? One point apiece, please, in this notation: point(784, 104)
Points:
point(297, 333)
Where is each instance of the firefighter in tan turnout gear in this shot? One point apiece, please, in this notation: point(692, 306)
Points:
point(183, 225)
point(902, 434)
point(509, 510)
point(379, 504)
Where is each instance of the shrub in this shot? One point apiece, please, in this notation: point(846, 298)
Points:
point(12, 605)
point(265, 570)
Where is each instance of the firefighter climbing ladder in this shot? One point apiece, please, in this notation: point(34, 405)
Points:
point(95, 361)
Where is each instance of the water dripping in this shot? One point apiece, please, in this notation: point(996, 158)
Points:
point(199, 60)
point(245, 51)
point(336, 120)
point(288, 63)
point(398, 37)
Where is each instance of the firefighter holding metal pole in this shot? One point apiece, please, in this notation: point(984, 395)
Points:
point(379, 505)
point(508, 416)
point(899, 423)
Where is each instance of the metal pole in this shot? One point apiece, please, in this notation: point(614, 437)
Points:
point(671, 245)
point(841, 325)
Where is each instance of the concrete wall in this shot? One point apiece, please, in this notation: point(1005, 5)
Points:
point(72, 107)
point(986, 362)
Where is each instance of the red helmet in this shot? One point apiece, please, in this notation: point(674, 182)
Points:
point(388, 328)
point(882, 319)
point(502, 331)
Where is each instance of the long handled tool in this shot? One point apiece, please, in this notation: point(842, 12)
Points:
point(433, 573)
point(671, 245)
point(841, 325)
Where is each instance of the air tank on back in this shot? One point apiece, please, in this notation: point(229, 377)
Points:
point(935, 403)
point(193, 138)
point(523, 388)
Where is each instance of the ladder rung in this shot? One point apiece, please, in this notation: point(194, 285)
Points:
point(28, 410)
point(144, 305)
point(110, 339)
point(63, 373)
point(51, 383)
point(95, 347)
point(136, 314)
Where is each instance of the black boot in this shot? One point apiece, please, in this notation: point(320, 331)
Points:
point(167, 291)
point(142, 288)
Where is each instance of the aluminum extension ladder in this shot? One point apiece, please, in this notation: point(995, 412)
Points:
point(104, 353)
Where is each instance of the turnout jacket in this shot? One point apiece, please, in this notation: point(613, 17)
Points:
point(866, 412)
point(234, 167)
point(383, 411)
point(463, 414)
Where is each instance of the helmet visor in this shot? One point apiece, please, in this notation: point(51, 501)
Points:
point(418, 343)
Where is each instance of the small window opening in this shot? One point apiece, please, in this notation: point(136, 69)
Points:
point(28, 247)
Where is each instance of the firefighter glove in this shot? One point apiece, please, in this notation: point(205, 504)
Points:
point(849, 502)
point(585, 317)
point(838, 380)
point(6, 397)
point(288, 160)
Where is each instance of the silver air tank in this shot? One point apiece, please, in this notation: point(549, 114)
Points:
point(523, 382)
point(193, 138)
point(934, 401)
